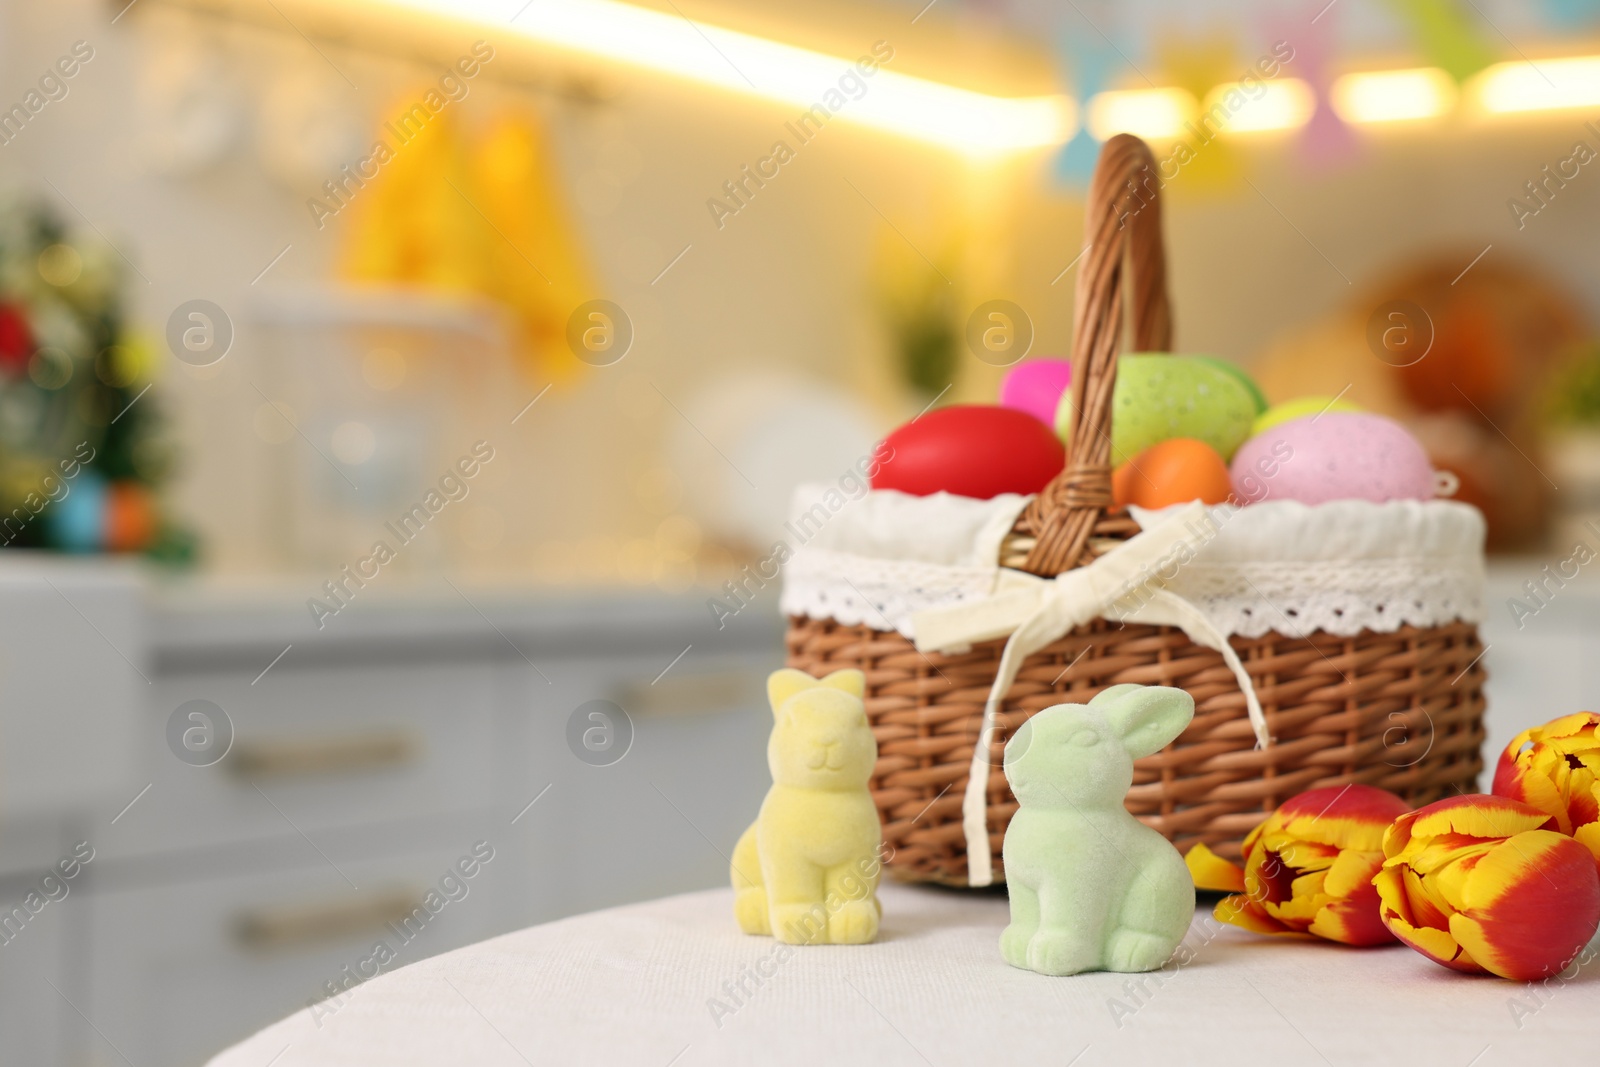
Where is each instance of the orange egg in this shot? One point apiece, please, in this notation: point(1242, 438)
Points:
point(130, 517)
point(1172, 472)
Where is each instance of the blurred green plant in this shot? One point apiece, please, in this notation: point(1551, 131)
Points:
point(925, 339)
point(918, 301)
point(1573, 398)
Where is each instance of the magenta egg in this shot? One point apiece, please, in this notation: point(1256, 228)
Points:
point(1337, 455)
point(1036, 387)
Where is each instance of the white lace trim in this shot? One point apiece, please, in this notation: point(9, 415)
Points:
point(1341, 568)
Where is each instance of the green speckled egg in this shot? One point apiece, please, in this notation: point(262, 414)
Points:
point(1257, 397)
point(1160, 397)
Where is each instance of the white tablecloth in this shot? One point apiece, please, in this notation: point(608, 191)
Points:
point(641, 985)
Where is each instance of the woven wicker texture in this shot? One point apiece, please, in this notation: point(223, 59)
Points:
point(1401, 710)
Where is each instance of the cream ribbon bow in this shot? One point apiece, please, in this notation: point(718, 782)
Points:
point(1128, 583)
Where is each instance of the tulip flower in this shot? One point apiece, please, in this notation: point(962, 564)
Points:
point(1556, 768)
point(1308, 868)
point(1482, 884)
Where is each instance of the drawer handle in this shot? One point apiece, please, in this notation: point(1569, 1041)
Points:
point(273, 928)
point(694, 694)
point(331, 755)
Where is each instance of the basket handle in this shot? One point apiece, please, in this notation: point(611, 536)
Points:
point(1123, 228)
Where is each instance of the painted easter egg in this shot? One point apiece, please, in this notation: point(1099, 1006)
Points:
point(1244, 379)
point(970, 450)
point(1299, 408)
point(130, 517)
point(1172, 472)
point(1340, 455)
point(76, 522)
point(1159, 397)
point(1036, 387)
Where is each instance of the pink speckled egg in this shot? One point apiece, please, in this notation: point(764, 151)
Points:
point(1338, 455)
point(1036, 387)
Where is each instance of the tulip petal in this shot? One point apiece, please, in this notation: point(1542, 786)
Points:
point(1352, 872)
point(1438, 945)
point(1428, 909)
point(1554, 767)
point(1429, 855)
point(1397, 915)
point(1568, 744)
point(1541, 786)
point(1589, 837)
point(1507, 769)
point(1531, 904)
point(1303, 855)
point(1351, 816)
point(1353, 919)
point(1583, 798)
point(1211, 871)
point(1448, 883)
point(1267, 878)
point(1246, 914)
point(1566, 726)
point(1477, 816)
point(1390, 884)
point(1304, 901)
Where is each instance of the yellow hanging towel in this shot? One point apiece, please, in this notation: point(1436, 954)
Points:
point(485, 218)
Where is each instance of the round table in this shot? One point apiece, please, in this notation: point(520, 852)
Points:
point(674, 982)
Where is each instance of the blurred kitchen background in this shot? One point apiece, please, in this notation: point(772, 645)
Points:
point(565, 344)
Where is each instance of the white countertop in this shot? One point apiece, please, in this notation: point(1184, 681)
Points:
point(649, 984)
point(199, 611)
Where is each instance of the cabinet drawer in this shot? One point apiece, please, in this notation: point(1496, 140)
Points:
point(662, 818)
point(36, 1025)
point(311, 749)
point(73, 670)
point(184, 970)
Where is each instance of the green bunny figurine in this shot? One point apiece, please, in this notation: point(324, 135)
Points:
point(807, 870)
point(1092, 888)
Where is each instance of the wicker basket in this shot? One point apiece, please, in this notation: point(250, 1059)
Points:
point(1338, 708)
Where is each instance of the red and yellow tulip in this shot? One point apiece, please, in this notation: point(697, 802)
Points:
point(1308, 868)
point(1556, 768)
point(1484, 884)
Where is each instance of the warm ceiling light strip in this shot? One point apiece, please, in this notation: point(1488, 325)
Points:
point(1394, 95)
point(957, 118)
point(1261, 107)
point(1365, 98)
point(1154, 114)
point(1539, 85)
point(1286, 104)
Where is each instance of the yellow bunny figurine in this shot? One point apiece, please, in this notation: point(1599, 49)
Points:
point(807, 870)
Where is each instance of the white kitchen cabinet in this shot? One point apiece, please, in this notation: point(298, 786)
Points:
point(366, 757)
point(184, 967)
point(664, 818)
point(37, 1024)
point(376, 750)
point(315, 747)
point(73, 676)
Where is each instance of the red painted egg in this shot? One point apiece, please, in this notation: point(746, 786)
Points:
point(971, 450)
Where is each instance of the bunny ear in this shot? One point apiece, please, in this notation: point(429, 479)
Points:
point(781, 685)
point(1112, 694)
point(850, 681)
point(1147, 718)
